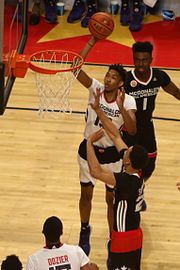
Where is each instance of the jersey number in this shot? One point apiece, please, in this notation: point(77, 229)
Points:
point(98, 123)
point(61, 267)
point(144, 104)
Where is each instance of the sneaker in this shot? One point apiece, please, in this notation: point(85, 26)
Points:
point(84, 239)
point(143, 206)
point(77, 12)
point(136, 20)
point(50, 11)
point(108, 262)
point(125, 15)
point(35, 16)
point(90, 11)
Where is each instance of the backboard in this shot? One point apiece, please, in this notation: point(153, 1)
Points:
point(13, 36)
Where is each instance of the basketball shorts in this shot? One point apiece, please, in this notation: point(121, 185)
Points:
point(108, 158)
point(125, 250)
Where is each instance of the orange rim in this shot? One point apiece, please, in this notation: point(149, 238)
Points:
point(48, 53)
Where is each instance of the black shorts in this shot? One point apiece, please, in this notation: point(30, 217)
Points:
point(130, 260)
point(149, 168)
point(145, 136)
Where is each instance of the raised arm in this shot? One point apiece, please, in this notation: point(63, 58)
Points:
point(82, 77)
point(95, 168)
point(173, 90)
point(109, 127)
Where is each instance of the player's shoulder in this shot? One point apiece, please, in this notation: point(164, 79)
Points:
point(71, 247)
point(158, 71)
point(129, 98)
point(40, 251)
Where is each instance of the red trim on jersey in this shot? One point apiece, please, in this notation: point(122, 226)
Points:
point(107, 100)
point(152, 155)
point(124, 128)
point(139, 173)
point(122, 242)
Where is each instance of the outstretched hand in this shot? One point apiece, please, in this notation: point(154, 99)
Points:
point(96, 95)
point(95, 136)
point(120, 98)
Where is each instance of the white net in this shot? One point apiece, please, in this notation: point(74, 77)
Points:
point(54, 89)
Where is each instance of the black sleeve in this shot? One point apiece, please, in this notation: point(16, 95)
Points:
point(164, 78)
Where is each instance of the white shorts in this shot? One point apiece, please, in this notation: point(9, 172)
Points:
point(85, 176)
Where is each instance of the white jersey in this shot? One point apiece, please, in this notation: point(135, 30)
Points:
point(111, 110)
point(65, 257)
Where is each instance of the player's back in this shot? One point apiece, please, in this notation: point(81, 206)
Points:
point(66, 256)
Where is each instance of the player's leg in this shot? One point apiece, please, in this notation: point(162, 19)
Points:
point(146, 137)
point(50, 11)
point(91, 9)
point(35, 16)
point(125, 12)
point(85, 204)
point(77, 11)
point(137, 15)
point(114, 167)
point(19, 13)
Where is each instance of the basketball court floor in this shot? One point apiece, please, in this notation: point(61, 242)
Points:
point(39, 176)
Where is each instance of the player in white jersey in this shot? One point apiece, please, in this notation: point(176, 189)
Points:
point(111, 109)
point(56, 255)
point(105, 150)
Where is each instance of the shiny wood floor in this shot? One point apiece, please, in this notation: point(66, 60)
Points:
point(39, 178)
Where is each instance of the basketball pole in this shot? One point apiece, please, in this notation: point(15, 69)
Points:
point(11, 79)
point(1, 55)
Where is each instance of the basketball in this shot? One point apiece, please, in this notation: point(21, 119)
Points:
point(101, 25)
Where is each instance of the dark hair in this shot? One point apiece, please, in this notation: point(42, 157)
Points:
point(11, 262)
point(138, 157)
point(144, 46)
point(121, 71)
point(52, 229)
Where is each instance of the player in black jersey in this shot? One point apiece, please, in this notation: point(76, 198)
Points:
point(143, 83)
point(126, 242)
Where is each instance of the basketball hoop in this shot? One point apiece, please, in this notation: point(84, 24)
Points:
point(55, 71)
